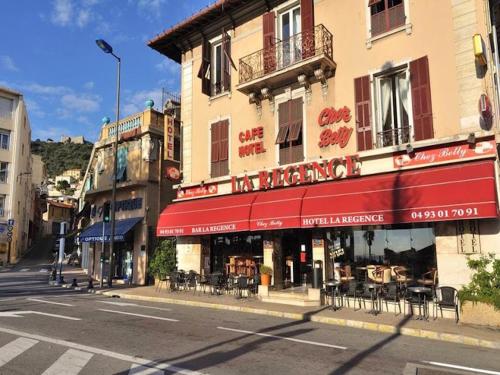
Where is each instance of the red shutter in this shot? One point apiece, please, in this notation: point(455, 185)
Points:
point(224, 140)
point(421, 99)
point(363, 119)
point(215, 139)
point(307, 25)
point(269, 42)
point(227, 61)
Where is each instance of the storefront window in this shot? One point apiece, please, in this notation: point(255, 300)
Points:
point(236, 253)
point(409, 246)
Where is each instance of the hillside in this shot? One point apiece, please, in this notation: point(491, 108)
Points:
point(59, 157)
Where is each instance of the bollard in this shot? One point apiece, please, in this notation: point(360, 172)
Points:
point(74, 283)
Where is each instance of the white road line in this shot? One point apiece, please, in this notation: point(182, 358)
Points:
point(456, 367)
point(70, 363)
point(11, 350)
point(107, 353)
point(136, 369)
point(140, 315)
point(284, 338)
point(49, 302)
point(21, 283)
point(21, 313)
point(134, 305)
point(24, 270)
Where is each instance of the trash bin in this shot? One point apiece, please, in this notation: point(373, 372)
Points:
point(317, 281)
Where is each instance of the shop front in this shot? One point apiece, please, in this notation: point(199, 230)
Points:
point(363, 225)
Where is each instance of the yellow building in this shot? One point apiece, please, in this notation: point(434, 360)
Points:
point(73, 173)
point(140, 176)
point(357, 133)
point(15, 176)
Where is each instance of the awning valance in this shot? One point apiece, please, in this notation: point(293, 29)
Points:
point(94, 233)
point(455, 192)
point(205, 216)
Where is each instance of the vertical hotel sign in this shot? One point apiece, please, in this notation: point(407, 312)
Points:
point(169, 138)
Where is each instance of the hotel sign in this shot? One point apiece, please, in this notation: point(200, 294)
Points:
point(251, 142)
point(170, 132)
point(300, 174)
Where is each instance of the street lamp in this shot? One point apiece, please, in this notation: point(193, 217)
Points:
point(108, 49)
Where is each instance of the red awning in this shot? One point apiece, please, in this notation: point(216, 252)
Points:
point(205, 216)
point(277, 209)
point(457, 192)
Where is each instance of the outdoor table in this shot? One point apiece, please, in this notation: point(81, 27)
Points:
point(374, 295)
point(334, 285)
point(420, 290)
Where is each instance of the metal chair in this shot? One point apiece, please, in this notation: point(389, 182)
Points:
point(254, 286)
point(230, 284)
point(392, 294)
point(353, 291)
point(162, 279)
point(446, 297)
point(215, 283)
point(190, 281)
point(242, 285)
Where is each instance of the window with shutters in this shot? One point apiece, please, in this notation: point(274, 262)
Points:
point(386, 15)
point(219, 152)
point(2, 204)
point(393, 108)
point(4, 172)
point(290, 132)
point(289, 28)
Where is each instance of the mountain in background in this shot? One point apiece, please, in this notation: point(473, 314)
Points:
point(59, 157)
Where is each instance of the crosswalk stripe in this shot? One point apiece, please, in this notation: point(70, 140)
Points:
point(136, 369)
point(70, 363)
point(11, 350)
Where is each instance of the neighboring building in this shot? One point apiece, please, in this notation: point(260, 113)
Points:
point(57, 212)
point(39, 169)
point(76, 174)
point(80, 140)
point(39, 196)
point(140, 178)
point(15, 175)
point(351, 132)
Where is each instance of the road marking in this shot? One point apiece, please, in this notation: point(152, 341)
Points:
point(136, 369)
point(11, 350)
point(19, 314)
point(49, 302)
point(284, 338)
point(24, 270)
point(123, 357)
point(140, 315)
point(70, 363)
point(134, 305)
point(21, 283)
point(476, 370)
point(43, 270)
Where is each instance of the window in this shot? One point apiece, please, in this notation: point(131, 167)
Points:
point(4, 171)
point(4, 139)
point(289, 136)
point(289, 34)
point(2, 205)
point(220, 149)
point(215, 69)
point(121, 167)
point(386, 15)
point(393, 108)
point(6, 108)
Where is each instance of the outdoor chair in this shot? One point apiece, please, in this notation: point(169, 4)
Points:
point(215, 283)
point(345, 274)
point(400, 275)
point(242, 285)
point(190, 281)
point(352, 290)
point(230, 284)
point(202, 282)
point(181, 280)
point(446, 297)
point(392, 294)
point(162, 279)
point(174, 281)
point(429, 279)
point(382, 275)
point(370, 294)
point(254, 286)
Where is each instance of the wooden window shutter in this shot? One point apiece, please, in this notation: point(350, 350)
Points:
point(295, 119)
point(283, 122)
point(224, 140)
point(215, 139)
point(282, 133)
point(227, 61)
point(307, 25)
point(421, 99)
point(204, 72)
point(363, 118)
point(268, 27)
point(374, 2)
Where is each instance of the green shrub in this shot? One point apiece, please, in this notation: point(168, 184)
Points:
point(266, 270)
point(164, 260)
point(485, 283)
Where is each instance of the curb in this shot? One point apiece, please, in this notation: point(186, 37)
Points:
point(382, 328)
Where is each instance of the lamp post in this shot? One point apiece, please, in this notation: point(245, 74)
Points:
point(106, 48)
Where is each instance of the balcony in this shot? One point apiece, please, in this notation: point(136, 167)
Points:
point(394, 137)
point(281, 63)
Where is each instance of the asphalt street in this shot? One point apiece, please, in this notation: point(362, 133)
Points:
point(54, 330)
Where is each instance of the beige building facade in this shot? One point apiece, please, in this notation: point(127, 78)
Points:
point(140, 178)
point(15, 176)
point(356, 133)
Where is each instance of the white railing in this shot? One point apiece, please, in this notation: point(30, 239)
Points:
point(125, 126)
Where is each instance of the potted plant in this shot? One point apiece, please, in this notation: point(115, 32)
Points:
point(163, 261)
point(480, 299)
point(265, 275)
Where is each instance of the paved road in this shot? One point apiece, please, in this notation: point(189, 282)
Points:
point(46, 329)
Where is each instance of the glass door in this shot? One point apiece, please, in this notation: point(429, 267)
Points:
point(289, 33)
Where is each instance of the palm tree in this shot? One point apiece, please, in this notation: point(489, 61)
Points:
point(368, 236)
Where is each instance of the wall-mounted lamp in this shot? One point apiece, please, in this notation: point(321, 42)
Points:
point(471, 139)
point(409, 149)
point(320, 76)
point(254, 98)
point(303, 81)
point(266, 93)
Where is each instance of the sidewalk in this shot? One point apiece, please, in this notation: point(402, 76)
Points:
point(439, 329)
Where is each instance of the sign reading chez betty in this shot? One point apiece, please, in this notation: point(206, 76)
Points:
point(306, 173)
point(341, 136)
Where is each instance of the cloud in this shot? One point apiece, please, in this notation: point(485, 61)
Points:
point(34, 108)
point(83, 17)
point(51, 132)
point(169, 66)
point(8, 64)
point(81, 102)
point(71, 13)
point(134, 102)
point(89, 85)
point(150, 9)
point(37, 88)
point(62, 13)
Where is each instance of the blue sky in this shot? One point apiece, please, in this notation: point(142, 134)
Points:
point(49, 54)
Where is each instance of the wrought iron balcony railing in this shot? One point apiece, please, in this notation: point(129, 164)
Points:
point(393, 137)
point(285, 53)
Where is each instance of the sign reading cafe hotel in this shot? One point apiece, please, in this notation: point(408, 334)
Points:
point(300, 174)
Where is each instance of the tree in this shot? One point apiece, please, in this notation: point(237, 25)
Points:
point(164, 259)
point(62, 186)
